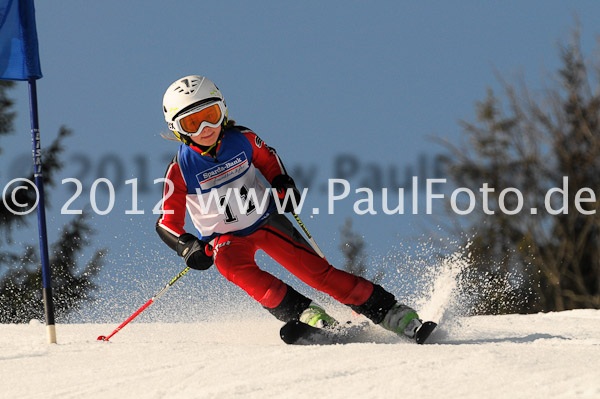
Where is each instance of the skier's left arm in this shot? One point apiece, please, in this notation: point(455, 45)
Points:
point(269, 164)
point(264, 158)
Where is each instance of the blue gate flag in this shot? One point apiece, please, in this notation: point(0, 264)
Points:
point(19, 56)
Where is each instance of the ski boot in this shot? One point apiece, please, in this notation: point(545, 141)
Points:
point(314, 315)
point(402, 320)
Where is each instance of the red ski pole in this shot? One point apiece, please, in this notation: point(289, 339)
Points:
point(140, 310)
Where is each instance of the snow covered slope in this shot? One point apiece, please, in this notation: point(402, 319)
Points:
point(554, 355)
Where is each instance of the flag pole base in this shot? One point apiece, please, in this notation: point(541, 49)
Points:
point(51, 334)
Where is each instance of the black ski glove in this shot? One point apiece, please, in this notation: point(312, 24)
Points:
point(283, 183)
point(197, 253)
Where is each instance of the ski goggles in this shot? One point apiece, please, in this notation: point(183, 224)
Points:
point(193, 121)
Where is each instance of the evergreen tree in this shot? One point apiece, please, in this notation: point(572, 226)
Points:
point(353, 248)
point(20, 272)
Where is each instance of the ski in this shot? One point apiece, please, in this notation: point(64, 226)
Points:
point(424, 331)
point(297, 333)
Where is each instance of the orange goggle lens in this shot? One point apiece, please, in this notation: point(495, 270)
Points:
point(192, 122)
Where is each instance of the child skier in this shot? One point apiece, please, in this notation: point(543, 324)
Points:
point(216, 154)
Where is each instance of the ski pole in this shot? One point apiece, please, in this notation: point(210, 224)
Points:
point(312, 241)
point(140, 310)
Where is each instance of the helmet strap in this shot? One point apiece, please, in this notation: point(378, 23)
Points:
point(205, 150)
point(183, 138)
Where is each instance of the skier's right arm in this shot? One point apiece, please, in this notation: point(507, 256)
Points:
point(170, 225)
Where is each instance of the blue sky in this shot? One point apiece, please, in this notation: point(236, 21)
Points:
point(313, 79)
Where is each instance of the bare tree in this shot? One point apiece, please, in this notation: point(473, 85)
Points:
point(548, 148)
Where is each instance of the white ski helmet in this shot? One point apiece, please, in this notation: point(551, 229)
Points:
point(190, 95)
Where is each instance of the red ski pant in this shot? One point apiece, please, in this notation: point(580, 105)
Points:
point(234, 257)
